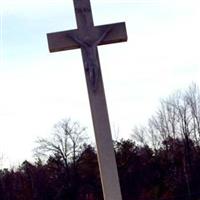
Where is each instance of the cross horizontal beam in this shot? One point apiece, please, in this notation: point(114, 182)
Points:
point(60, 41)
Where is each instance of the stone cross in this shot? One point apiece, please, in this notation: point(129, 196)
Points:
point(87, 37)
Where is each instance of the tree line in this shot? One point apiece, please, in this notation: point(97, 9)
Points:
point(160, 161)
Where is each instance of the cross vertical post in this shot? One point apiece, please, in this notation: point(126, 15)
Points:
point(87, 37)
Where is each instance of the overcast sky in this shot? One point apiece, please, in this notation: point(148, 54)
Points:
point(38, 89)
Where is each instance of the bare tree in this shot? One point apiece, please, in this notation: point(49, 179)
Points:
point(1, 160)
point(192, 98)
point(178, 117)
point(66, 141)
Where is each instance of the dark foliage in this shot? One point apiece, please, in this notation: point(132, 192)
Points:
point(145, 174)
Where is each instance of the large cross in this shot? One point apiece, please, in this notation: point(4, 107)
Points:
point(87, 37)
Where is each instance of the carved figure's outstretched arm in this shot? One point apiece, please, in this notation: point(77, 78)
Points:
point(77, 40)
point(102, 37)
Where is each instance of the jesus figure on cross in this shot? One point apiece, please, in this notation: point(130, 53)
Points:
point(89, 50)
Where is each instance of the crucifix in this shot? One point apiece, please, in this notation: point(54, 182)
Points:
point(87, 37)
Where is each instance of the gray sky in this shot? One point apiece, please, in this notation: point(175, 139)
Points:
point(38, 89)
